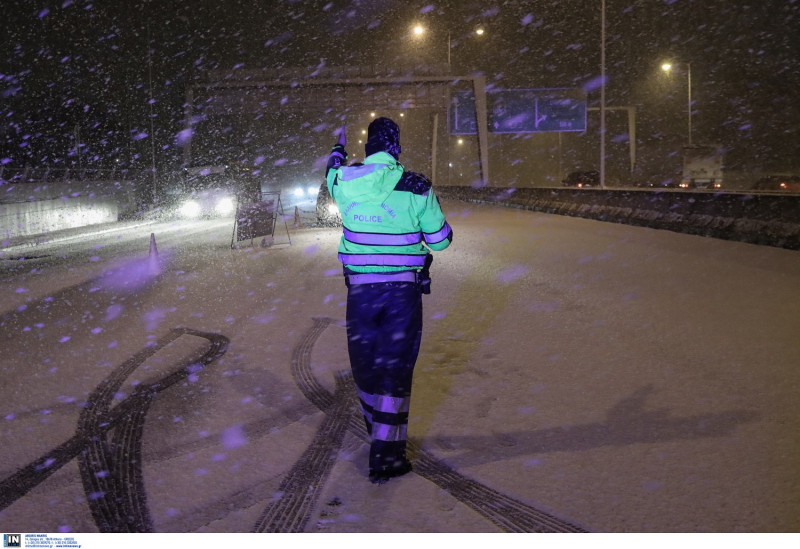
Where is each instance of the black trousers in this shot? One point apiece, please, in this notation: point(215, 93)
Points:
point(384, 330)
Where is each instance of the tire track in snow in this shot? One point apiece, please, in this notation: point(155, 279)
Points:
point(291, 510)
point(111, 470)
point(505, 512)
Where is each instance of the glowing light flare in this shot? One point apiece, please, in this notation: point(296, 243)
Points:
point(190, 208)
point(225, 205)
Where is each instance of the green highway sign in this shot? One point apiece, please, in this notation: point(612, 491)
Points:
point(522, 111)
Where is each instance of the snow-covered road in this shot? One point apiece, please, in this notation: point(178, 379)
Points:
point(574, 374)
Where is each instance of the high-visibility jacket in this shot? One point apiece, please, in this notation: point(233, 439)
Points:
point(387, 215)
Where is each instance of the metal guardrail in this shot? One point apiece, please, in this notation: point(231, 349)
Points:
point(756, 217)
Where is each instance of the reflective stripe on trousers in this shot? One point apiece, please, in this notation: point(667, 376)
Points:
point(394, 410)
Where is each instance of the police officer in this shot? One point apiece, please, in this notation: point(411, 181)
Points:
point(391, 220)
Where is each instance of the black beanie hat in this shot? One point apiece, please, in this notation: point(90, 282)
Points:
point(383, 135)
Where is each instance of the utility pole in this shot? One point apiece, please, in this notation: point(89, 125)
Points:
point(603, 95)
point(78, 147)
point(152, 130)
point(689, 85)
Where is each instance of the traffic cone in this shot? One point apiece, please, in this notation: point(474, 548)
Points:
point(153, 262)
point(153, 249)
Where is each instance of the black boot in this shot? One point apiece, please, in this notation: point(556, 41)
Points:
point(397, 469)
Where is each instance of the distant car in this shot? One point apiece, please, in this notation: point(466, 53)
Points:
point(701, 184)
point(196, 204)
point(589, 178)
point(201, 192)
point(778, 183)
point(206, 203)
point(327, 212)
point(668, 184)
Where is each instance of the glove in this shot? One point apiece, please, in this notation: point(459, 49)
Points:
point(425, 275)
point(337, 157)
point(425, 283)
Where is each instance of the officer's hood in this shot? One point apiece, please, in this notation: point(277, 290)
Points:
point(370, 182)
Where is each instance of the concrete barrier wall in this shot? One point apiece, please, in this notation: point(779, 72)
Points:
point(767, 219)
point(44, 216)
point(32, 208)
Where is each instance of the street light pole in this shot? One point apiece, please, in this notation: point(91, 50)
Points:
point(479, 87)
point(666, 67)
point(448, 52)
point(689, 105)
point(603, 94)
point(152, 128)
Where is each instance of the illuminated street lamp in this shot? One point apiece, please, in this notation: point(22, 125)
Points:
point(667, 67)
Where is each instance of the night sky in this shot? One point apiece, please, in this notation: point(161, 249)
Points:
point(77, 66)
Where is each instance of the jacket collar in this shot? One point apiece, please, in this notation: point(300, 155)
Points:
point(381, 157)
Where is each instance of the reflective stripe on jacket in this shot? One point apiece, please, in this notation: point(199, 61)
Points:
point(388, 216)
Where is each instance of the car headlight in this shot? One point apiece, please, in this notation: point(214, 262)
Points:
point(190, 208)
point(313, 191)
point(225, 205)
point(298, 192)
